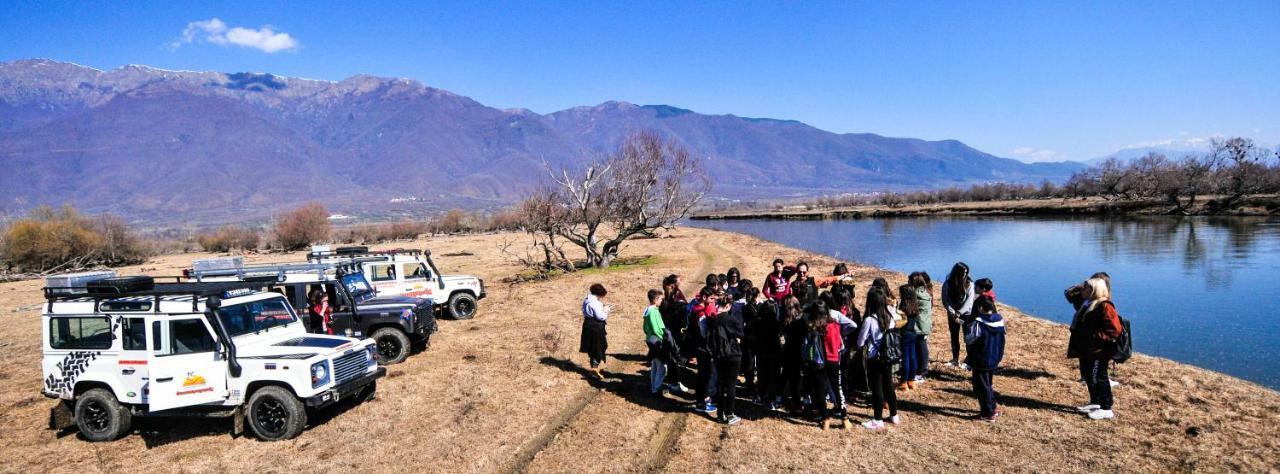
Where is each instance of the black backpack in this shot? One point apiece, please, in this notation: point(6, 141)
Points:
point(1123, 345)
point(890, 351)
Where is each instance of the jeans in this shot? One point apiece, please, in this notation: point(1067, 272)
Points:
point(984, 392)
point(1094, 373)
point(657, 373)
point(954, 329)
point(880, 376)
point(727, 371)
point(909, 363)
point(922, 355)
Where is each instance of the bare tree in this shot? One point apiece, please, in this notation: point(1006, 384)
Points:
point(1241, 168)
point(648, 184)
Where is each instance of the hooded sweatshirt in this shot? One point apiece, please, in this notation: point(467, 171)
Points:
point(923, 324)
point(986, 352)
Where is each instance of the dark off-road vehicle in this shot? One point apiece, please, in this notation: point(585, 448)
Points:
point(398, 325)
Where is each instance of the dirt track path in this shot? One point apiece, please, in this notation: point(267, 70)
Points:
point(592, 428)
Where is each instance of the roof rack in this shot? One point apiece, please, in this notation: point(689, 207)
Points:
point(361, 254)
point(261, 272)
point(195, 290)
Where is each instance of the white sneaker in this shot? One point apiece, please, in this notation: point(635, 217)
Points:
point(953, 363)
point(873, 425)
point(894, 419)
point(963, 366)
point(1088, 408)
point(1114, 383)
point(1101, 414)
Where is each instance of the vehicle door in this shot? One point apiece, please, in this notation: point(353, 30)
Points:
point(416, 280)
point(134, 373)
point(186, 363)
point(345, 321)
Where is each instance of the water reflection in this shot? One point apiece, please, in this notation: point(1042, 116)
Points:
point(1169, 271)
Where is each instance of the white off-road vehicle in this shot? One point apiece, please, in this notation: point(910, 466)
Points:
point(117, 348)
point(410, 273)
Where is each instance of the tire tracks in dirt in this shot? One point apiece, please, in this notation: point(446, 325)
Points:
point(662, 445)
point(669, 427)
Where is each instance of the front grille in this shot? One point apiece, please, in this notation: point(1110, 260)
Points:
point(349, 366)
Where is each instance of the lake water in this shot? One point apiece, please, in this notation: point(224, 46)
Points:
point(1198, 290)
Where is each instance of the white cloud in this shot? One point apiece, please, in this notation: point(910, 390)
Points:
point(215, 31)
point(1033, 155)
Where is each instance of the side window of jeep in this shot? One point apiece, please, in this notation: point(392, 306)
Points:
point(384, 272)
point(189, 336)
point(413, 271)
point(133, 334)
point(84, 332)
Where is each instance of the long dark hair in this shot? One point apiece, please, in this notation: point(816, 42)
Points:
point(921, 280)
point(957, 284)
point(878, 307)
point(819, 316)
point(907, 302)
point(734, 275)
point(791, 310)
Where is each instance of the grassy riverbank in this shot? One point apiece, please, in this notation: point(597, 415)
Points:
point(505, 392)
point(1262, 205)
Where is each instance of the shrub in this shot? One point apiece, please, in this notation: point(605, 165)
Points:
point(228, 238)
point(302, 227)
point(63, 240)
point(378, 233)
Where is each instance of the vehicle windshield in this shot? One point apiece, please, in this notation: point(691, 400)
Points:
point(257, 316)
point(357, 286)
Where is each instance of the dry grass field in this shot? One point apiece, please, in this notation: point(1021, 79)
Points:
point(505, 392)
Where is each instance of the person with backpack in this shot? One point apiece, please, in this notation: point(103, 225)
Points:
point(984, 349)
point(724, 344)
point(1093, 340)
point(655, 336)
point(957, 297)
point(594, 340)
point(882, 350)
point(823, 349)
point(985, 287)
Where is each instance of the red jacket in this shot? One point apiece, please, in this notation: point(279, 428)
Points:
point(1094, 334)
point(832, 343)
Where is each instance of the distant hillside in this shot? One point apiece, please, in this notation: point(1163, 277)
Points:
point(162, 145)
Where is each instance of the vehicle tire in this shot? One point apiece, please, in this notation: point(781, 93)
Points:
point(276, 414)
point(393, 345)
point(100, 417)
point(462, 306)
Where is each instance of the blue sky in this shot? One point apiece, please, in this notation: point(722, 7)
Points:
point(1028, 80)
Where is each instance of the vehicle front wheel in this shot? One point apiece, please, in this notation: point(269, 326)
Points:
point(276, 414)
point(462, 306)
point(393, 345)
point(100, 417)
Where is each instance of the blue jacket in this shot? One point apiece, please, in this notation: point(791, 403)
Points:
point(986, 352)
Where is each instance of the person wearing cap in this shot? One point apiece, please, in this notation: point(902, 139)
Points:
point(594, 340)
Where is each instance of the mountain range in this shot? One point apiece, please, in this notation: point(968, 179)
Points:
point(172, 146)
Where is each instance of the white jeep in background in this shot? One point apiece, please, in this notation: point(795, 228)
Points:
point(409, 273)
point(116, 348)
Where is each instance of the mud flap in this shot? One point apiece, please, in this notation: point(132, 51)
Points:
point(61, 417)
point(237, 422)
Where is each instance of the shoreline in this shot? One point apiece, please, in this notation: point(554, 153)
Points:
point(511, 380)
point(1251, 206)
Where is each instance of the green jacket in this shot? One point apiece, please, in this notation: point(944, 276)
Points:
point(653, 325)
point(923, 324)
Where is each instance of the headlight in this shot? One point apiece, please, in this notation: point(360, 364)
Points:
point(319, 373)
point(371, 354)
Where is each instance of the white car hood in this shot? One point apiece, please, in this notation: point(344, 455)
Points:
point(292, 344)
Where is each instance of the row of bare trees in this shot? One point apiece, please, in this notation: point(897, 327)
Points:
point(1230, 170)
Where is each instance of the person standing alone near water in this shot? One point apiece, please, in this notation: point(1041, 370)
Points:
point(1093, 335)
point(594, 340)
point(957, 297)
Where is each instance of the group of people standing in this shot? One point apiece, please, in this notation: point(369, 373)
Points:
point(799, 344)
